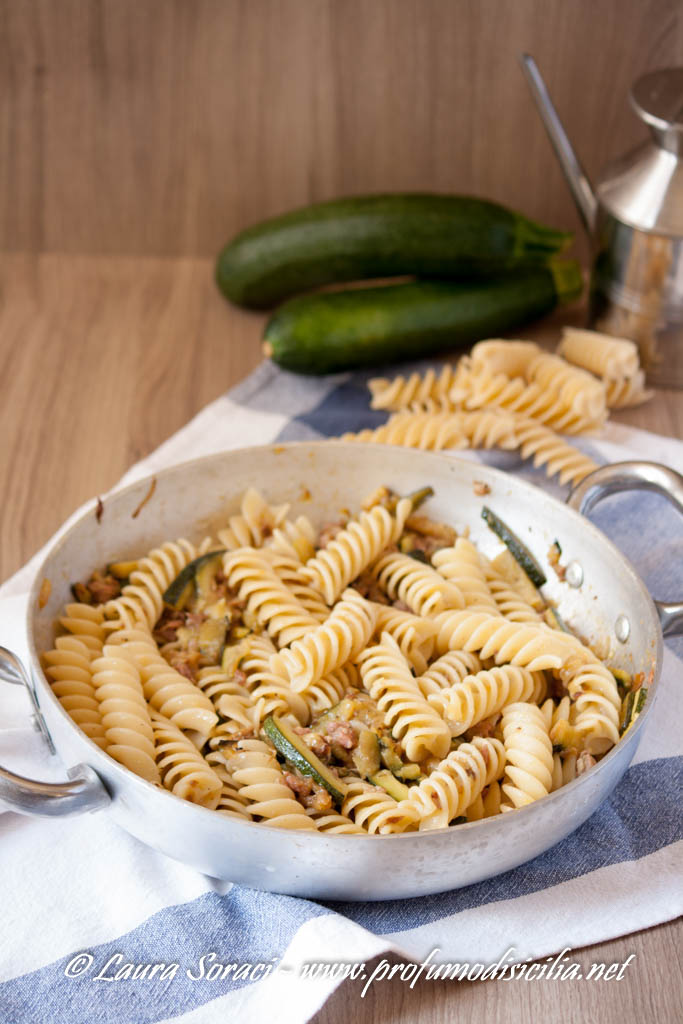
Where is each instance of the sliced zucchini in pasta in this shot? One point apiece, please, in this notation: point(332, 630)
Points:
point(195, 578)
point(294, 750)
point(390, 784)
point(520, 551)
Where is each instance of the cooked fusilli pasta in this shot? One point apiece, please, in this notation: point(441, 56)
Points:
point(419, 586)
point(455, 784)
point(69, 670)
point(267, 597)
point(479, 696)
point(262, 683)
point(260, 782)
point(389, 681)
point(125, 713)
point(141, 601)
point(528, 754)
point(354, 548)
point(182, 768)
point(328, 646)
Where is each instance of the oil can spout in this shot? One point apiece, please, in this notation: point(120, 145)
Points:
point(578, 182)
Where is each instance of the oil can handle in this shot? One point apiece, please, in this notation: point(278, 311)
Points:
point(635, 476)
point(83, 790)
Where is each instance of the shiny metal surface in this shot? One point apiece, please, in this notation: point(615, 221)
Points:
point(635, 219)
point(84, 790)
point(13, 671)
point(635, 476)
point(336, 474)
point(657, 99)
point(577, 179)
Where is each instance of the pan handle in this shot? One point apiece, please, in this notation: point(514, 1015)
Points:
point(639, 476)
point(84, 790)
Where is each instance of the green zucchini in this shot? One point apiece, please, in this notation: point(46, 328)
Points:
point(184, 586)
point(363, 237)
point(294, 750)
point(344, 330)
point(633, 704)
point(518, 550)
point(387, 781)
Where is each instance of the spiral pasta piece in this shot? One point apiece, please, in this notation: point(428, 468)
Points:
point(329, 690)
point(528, 754)
point(414, 634)
point(601, 354)
point(231, 701)
point(482, 695)
point(85, 622)
point(496, 355)
point(387, 678)
point(629, 391)
point(229, 803)
point(492, 636)
point(182, 768)
point(483, 429)
point(435, 431)
point(259, 780)
point(567, 409)
point(295, 539)
point(267, 598)
point(461, 565)
point(330, 645)
point(564, 763)
point(529, 758)
point(355, 548)
point(574, 387)
point(141, 600)
point(449, 669)
point(548, 450)
point(170, 693)
point(124, 712)
point(417, 389)
point(335, 823)
point(419, 586)
point(289, 572)
point(68, 667)
point(254, 525)
point(374, 810)
point(455, 784)
point(270, 693)
point(508, 601)
point(594, 693)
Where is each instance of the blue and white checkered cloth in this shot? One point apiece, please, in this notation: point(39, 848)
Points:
point(81, 894)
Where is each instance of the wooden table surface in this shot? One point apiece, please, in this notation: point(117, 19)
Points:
point(102, 358)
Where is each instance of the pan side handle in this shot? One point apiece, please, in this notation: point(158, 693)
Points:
point(83, 790)
point(635, 476)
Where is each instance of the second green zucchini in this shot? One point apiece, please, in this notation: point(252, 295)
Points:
point(345, 330)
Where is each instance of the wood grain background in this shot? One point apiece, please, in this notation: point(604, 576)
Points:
point(161, 127)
